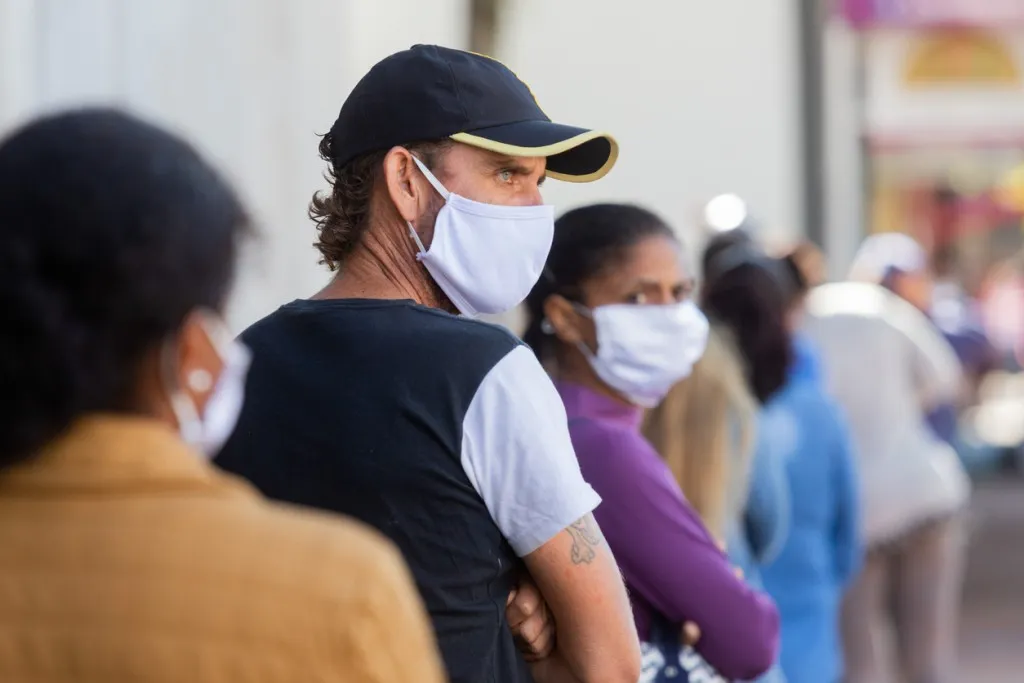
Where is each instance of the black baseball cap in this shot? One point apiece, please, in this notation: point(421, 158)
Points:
point(430, 92)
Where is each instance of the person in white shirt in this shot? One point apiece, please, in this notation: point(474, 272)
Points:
point(888, 365)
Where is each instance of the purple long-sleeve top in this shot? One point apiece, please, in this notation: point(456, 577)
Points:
point(670, 562)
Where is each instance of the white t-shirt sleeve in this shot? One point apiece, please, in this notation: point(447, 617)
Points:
point(517, 453)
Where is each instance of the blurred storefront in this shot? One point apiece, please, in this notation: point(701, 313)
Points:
point(943, 126)
point(937, 95)
point(941, 100)
point(251, 82)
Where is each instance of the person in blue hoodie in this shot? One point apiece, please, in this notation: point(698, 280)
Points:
point(743, 293)
point(823, 551)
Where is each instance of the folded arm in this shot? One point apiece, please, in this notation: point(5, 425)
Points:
point(579, 579)
point(518, 455)
point(671, 560)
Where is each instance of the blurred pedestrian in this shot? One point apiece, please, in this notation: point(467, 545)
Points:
point(125, 555)
point(741, 294)
point(376, 399)
point(614, 319)
point(822, 550)
point(902, 266)
point(888, 366)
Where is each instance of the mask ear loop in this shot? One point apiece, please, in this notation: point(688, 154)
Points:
point(586, 313)
point(582, 310)
point(217, 331)
point(419, 243)
point(441, 190)
point(548, 328)
point(545, 325)
point(189, 425)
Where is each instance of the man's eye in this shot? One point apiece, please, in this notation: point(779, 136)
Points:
point(638, 298)
point(682, 292)
point(506, 175)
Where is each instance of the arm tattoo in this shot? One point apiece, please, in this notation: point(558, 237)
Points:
point(585, 537)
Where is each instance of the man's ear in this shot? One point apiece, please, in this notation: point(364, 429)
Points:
point(569, 326)
point(410, 192)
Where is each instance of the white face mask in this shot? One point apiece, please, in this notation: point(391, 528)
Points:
point(210, 431)
point(485, 257)
point(643, 350)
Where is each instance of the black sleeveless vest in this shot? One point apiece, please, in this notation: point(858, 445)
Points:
point(357, 406)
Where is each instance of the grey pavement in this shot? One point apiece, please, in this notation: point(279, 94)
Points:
point(992, 627)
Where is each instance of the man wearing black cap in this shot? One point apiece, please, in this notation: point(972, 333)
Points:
point(377, 399)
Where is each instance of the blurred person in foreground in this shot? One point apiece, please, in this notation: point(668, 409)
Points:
point(888, 366)
point(377, 399)
point(126, 555)
point(614, 320)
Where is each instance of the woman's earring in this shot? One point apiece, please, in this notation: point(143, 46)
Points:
point(546, 327)
point(200, 381)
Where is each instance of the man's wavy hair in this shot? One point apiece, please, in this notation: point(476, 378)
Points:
point(342, 214)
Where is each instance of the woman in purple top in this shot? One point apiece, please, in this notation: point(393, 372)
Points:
point(613, 320)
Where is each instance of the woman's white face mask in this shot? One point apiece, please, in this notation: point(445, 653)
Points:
point(209, 431)
point(643, 350)
point(485, 257)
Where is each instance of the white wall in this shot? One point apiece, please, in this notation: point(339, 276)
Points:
point(897, 111)
point(251, 82)
point(844, 162)
point(703, 97)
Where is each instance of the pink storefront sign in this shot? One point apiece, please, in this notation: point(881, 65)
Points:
point(923, 13)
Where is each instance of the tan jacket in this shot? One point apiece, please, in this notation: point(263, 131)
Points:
point(125, 557)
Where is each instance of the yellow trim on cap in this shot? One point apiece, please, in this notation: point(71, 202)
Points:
point(549, 151)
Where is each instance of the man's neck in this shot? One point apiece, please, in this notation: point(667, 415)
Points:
point(379, 269)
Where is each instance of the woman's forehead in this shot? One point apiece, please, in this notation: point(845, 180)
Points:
point(654, 261)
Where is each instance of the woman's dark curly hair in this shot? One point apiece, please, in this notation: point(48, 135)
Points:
point(111, 232)
point(342, 214)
